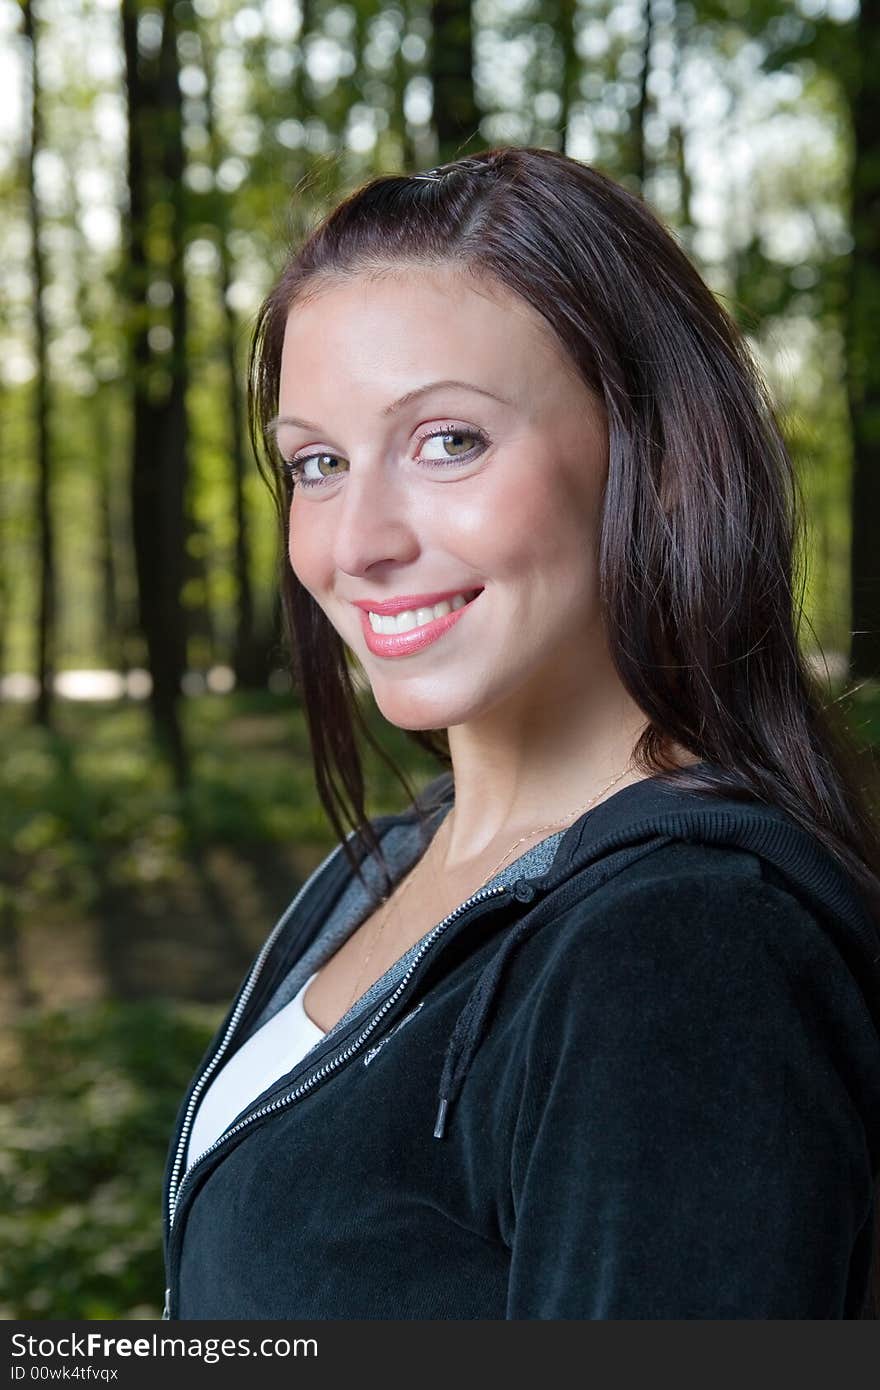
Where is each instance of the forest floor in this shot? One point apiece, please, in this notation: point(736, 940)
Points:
point(115, 888)
point(128, 918)
point(112, 888)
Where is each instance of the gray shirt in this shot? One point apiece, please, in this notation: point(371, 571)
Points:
point(401, 846)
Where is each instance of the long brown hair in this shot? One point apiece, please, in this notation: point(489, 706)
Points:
point(703, 522)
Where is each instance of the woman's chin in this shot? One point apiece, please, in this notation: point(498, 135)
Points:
point(406, 711)
point(409, 720)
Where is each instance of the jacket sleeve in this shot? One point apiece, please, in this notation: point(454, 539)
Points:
point(688, 1141)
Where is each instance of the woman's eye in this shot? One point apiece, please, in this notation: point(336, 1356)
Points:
point(295, 469)
point(450, 445)
point(453, 445)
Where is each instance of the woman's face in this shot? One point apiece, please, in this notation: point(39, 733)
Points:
point(506, 498)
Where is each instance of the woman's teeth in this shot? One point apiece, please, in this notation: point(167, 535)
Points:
point(417, 617)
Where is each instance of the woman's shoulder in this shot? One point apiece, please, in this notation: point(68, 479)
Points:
point(690, 979)
point(691, 1062)
point(693, 924)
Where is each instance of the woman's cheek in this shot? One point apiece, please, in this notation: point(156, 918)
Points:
point(520, 521)
point(301, 547)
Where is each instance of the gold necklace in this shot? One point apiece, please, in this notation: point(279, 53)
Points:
point(396, 903)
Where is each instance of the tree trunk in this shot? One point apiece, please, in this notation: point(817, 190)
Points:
point(110, 636)
point(862, 359)
point(44, 525)
point(5, 585)
point(248, 660)
point(456, 116)
point(398, 125)
point(570, 67)
point(679, 136)
point(637, 129)
point(158, 473)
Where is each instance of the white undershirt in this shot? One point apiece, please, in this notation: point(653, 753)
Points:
point(268, 1053)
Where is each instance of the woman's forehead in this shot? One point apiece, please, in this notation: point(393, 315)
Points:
point(421, 324)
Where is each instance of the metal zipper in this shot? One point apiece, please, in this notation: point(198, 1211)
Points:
point(245, 995)
point(340, 1057)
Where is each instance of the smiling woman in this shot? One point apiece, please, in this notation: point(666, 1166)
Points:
point(529, 483)
point(459, 487)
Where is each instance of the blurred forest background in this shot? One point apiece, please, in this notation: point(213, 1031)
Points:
point(156, 160)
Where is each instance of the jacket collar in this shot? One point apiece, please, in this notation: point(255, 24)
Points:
point(635, 821)
point(667, 807)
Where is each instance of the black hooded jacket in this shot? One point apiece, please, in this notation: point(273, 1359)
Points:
point(644, 1084)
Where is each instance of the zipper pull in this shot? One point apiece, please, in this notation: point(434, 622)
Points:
point(165, 1311)
point(523, 891)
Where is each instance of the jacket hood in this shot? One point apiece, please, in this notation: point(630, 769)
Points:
point(636, 821)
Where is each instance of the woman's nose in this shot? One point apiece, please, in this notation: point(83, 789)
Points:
point(371, 522)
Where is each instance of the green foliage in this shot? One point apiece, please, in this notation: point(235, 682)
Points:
point(93, 834)
point(86, 1113)
point(91, 809)
point(89, 1093)
point(272, 109)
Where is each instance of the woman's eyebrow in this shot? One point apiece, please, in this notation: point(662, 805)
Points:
point(278, 420)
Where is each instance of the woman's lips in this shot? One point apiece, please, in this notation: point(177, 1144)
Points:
point(406, 643)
